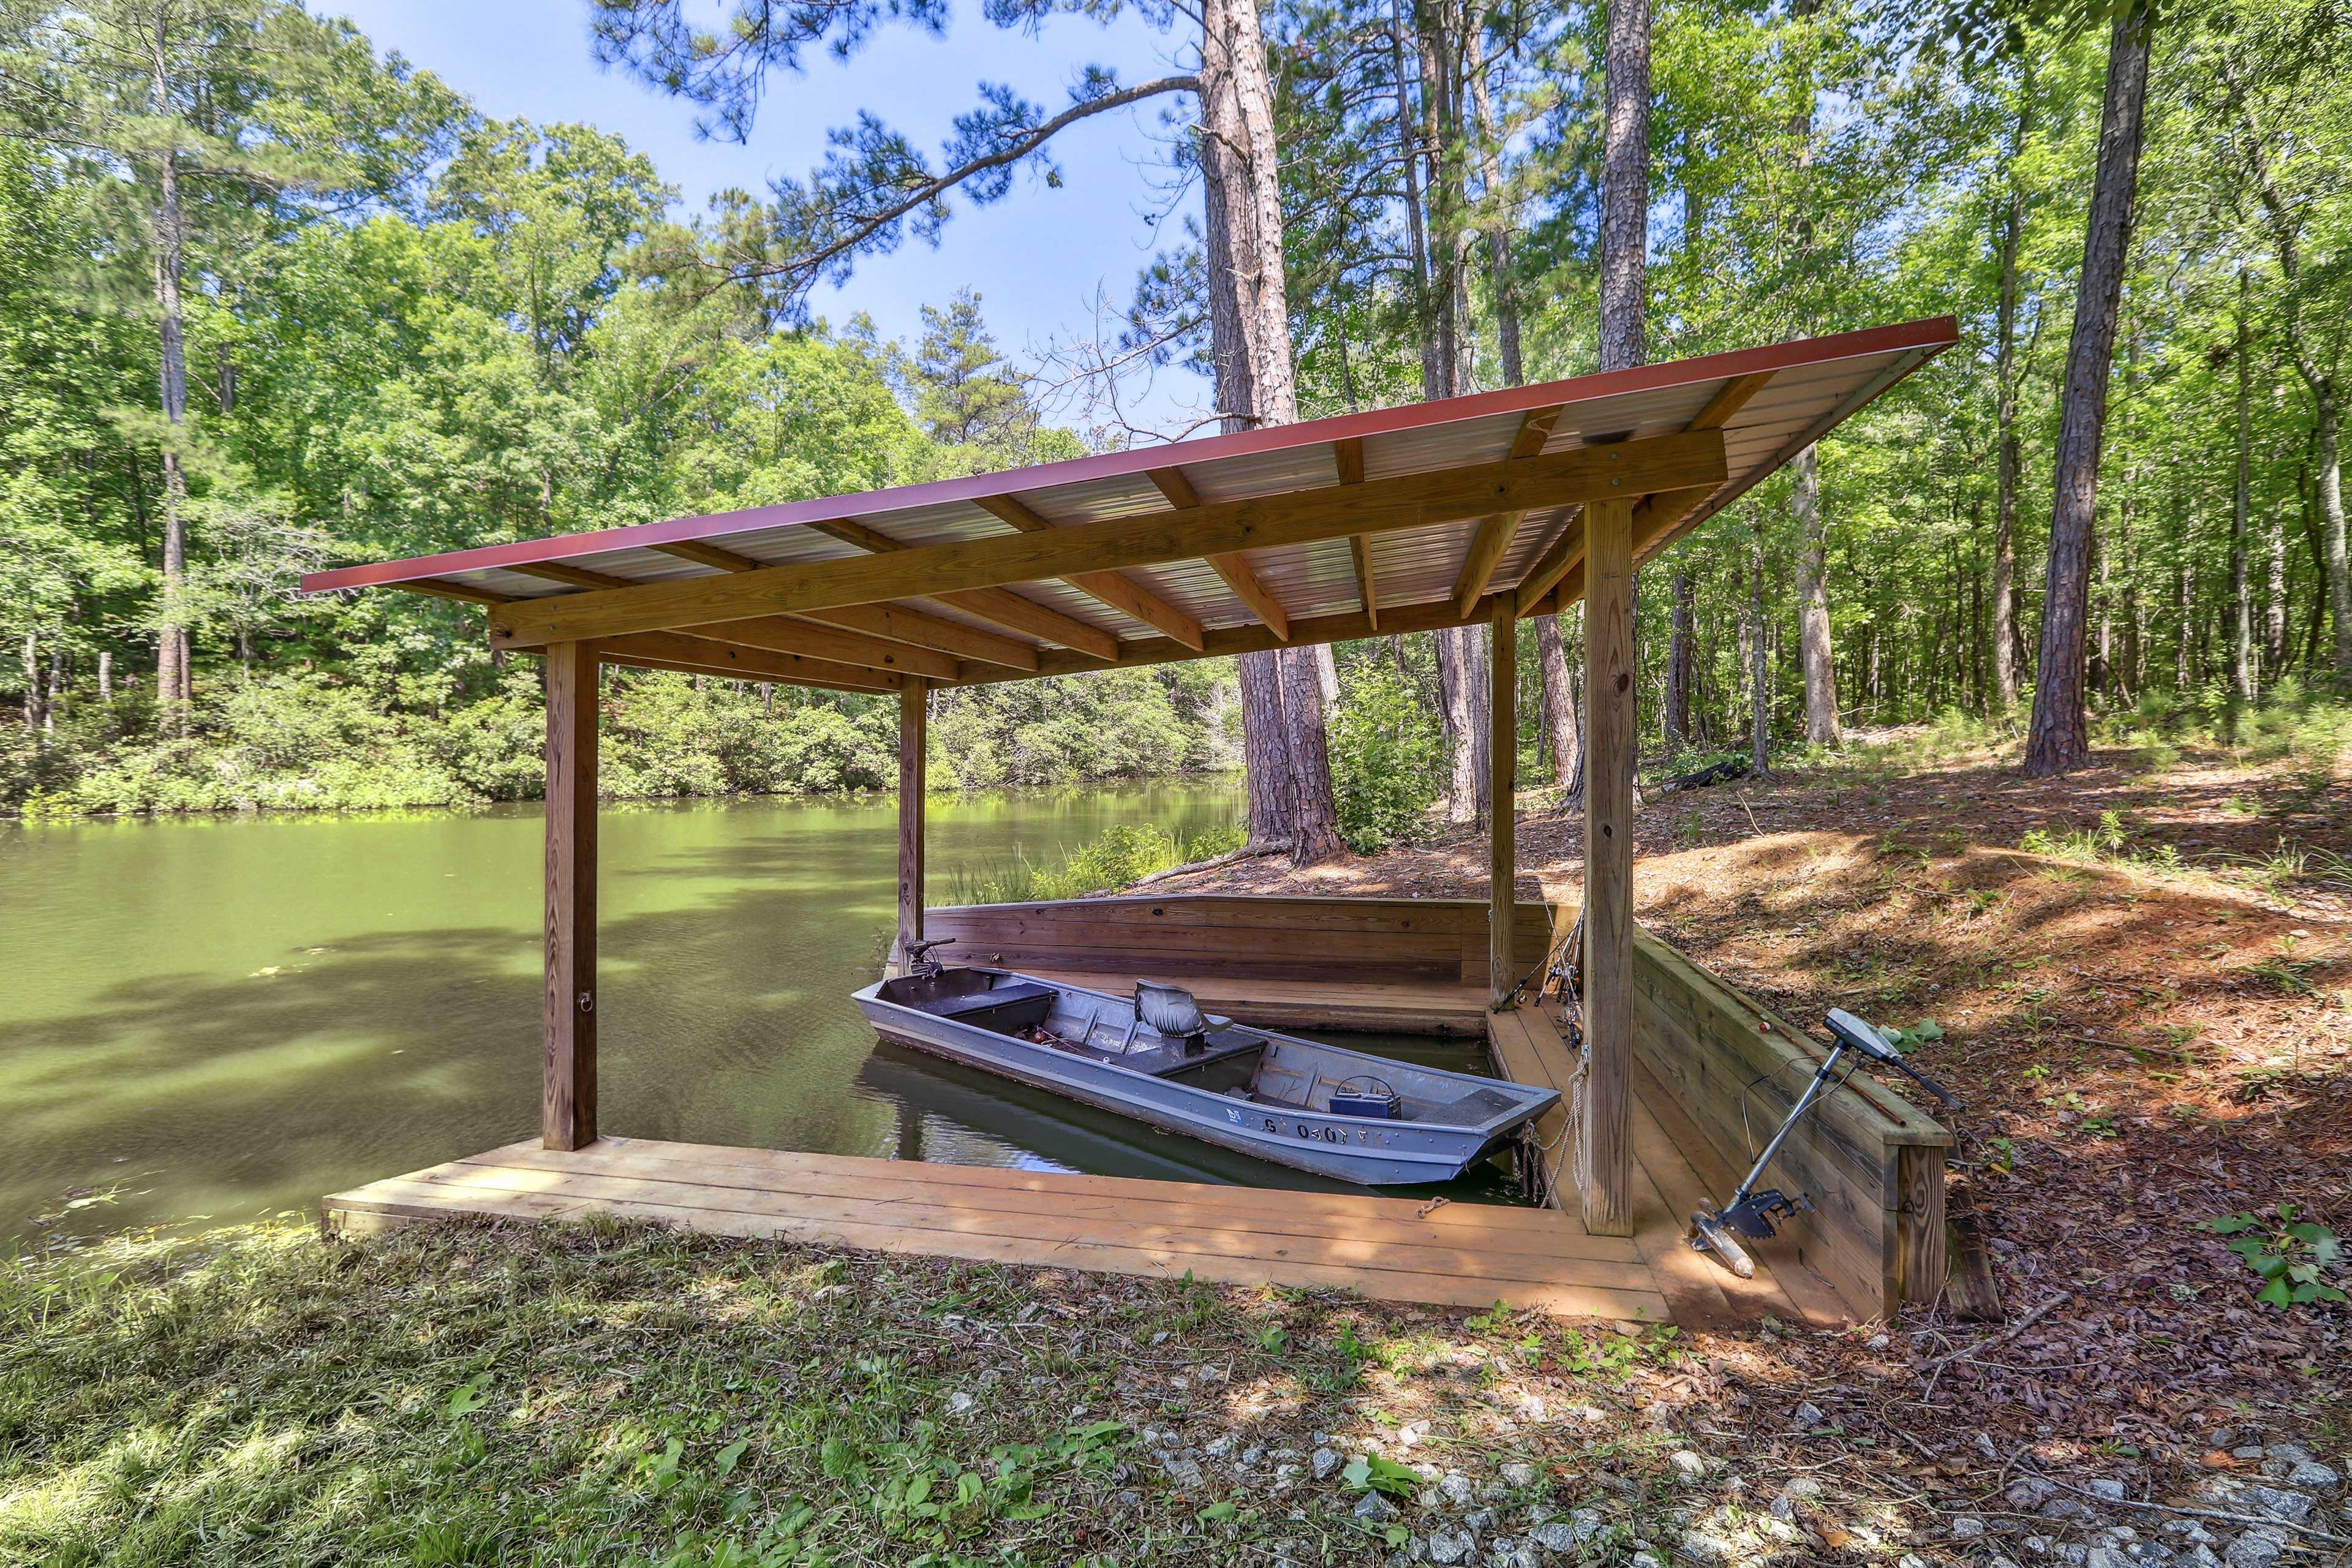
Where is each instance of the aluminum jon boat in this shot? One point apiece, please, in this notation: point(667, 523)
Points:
point(1156, 1058)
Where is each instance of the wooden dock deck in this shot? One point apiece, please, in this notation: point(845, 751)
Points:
point(1460, 1255)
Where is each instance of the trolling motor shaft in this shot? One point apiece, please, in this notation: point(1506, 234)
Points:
point(1751, 1211)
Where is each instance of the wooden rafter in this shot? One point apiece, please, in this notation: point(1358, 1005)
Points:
point(893, 623)
point(1348, 457)
point(1232, 566)
point(1493, 540)
point(1729, 399)
point(571, 576)
point(464, 593)
point(1001, 605)
point(1116, 589)
point(1486, 553)
point(1552, 565)
point(1554, 582)
point(1628, 469)
point(785, 634)
point(704, 656)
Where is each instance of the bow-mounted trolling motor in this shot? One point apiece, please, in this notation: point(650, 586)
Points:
point(1751, 1211)
point(919, 962)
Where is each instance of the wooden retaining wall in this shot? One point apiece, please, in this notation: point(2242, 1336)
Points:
point(1872, 1162)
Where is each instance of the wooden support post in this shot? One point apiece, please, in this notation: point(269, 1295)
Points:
point(1503, 777)
point(914, 713)
point(1606, 1162)
point(568, 1104)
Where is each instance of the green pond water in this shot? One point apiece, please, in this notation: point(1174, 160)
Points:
point(215, 1019)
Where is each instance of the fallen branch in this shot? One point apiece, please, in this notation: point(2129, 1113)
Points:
point(1217, 862)
point(2238, 1519)
point(1935, 1368)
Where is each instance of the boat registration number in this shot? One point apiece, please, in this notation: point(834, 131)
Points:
point(1311, 1132)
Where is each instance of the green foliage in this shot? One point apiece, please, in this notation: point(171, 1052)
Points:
point(1372, 1472)
point(1120, 856)
point(1388, 758)
point(2291, 1256)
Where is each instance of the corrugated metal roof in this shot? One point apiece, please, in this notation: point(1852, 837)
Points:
point(1812, 384)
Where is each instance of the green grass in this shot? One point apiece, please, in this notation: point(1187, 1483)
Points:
point(1122, 854)
point(608, 1394)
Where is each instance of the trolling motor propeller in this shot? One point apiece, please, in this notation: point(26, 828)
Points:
point(1751, 1211)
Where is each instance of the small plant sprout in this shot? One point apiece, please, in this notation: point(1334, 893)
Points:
point(2291, 1255)
point(1911, 1039)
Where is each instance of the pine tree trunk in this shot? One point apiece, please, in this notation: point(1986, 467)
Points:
point(1562, 729)
point(172, 681)
point(1678, 660)
point(1272, 797)
point(1821, 726)
point(2060, 739)
point(2011, 459)
point(2241, 506)
point(1625, 188)
point(2331, 516)
point(1760, 717)
point(1250, 350)
point(1310, 764)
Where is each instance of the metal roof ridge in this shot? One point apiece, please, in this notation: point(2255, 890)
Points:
point(1936, 331)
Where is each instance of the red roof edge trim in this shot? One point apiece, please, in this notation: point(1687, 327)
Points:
point(1934, 334)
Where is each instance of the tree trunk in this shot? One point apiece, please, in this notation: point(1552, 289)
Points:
point(2331, 514)
point(1250, 350)
point(1318, 819)
point(106, 675)
point(1562, 729)
point(1272, 796)
point(2010, 459)
point(1821, 726)
point(1461, 672)
point(173, 681)
point(32, 681)
point(2060, 738)
point(1678, 660)
point(2241, 506)
point(1760, 718)
point(1625, 188)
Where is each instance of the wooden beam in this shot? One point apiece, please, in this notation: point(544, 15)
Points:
point(1234, 568)
point(1348, 456)
point(1606, 1162)
point(1231, 566)
point(571, 576)
point(464, 593)
point(568, 1001)
point(1367, 591)
point(894, 623)
point(1552, 565)
point(785, 634)
point(708, 656)
point(1486, 553)
point(1119, 591)
point(622, 657)
point(914, 714)
point(899, 624)
point(1729, 399)
point(1001, 605)
point(1627, 468)
point(703, 555)
point(1503, 773)
point(1535, 430)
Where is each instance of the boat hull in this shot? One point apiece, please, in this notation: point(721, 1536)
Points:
point(1364, 1151)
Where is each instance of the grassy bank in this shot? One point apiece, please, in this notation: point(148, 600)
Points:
point(628, 1395)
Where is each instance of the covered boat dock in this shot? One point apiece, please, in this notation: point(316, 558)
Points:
point(1485, 509)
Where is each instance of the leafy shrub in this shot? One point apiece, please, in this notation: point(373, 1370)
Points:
point(1388, 760)
point(1120, 856)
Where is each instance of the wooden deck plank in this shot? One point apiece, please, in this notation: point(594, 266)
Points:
point(1456, 1270)
point(1338, 1218)
point(845, 1217)
point(1273, 1199)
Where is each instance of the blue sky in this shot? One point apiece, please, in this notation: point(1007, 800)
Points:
point(1037, 257)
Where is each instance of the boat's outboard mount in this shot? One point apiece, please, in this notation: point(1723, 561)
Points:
point(1173, 1013)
